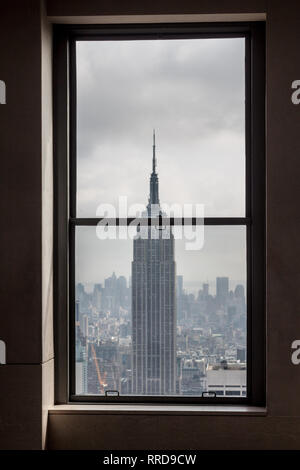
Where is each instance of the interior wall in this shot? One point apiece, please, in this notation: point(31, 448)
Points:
point(20, 196)
point(26, 232)
point(283, 195)
point(78, 8)
point(47, 220)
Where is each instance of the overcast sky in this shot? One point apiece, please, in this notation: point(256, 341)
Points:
point(192, 93)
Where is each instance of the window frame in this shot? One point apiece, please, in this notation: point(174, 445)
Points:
point(65, 221)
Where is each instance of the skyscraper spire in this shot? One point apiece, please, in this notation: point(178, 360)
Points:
point(154, 157)
point(154, 198)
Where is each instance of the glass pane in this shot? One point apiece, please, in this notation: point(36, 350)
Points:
point(155, 316)
point(192, 91)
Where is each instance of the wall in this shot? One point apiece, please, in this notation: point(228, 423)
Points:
point(283, 222)
point(26, 233)
point(25, 269)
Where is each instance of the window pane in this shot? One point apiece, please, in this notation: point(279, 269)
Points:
point(192, 92)
point(156, 318)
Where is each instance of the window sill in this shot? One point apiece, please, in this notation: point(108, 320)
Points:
point(217, 410)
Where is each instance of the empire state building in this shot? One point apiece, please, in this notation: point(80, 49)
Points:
point(153, 303)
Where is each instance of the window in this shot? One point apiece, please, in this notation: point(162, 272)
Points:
point(159, 157)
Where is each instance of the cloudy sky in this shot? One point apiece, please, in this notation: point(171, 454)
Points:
point(192, 93)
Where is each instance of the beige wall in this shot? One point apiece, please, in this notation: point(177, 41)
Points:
point(26, 241)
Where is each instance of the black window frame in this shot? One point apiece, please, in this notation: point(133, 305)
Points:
point(65, 221)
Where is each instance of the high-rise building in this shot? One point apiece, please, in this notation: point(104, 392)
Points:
point(179, 285)
point(222, 290)
point(205, 289)
point(179, 298)
point(81, 360)
point(153, 303)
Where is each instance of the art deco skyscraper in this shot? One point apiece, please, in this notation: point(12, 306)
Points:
point(154, 303)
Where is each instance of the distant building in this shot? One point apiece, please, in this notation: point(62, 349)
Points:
point(226, 379)
point(239, 291)
point(222, 290)
point(179, 297)
point(241, 354)
point(97, 296)
point(153, 304)
point(77, 311)
point(205, 290)
point(193, 378)
point(81, 364)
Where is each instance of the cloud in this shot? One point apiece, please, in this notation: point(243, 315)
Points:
point(192, 92)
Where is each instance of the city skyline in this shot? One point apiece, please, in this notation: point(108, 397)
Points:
point(189, 288)
point(210, 331)
point(223, 254)
point(152, 337)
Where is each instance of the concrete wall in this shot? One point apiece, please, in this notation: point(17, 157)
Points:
point(26, 243)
